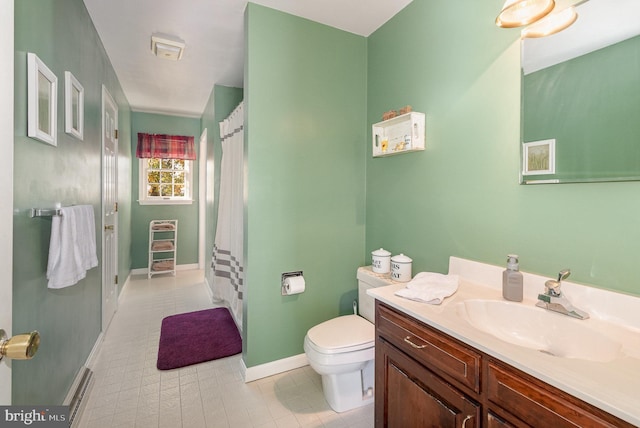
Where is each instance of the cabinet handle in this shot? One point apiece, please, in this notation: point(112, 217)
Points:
point(408, 340)
point(464, 423)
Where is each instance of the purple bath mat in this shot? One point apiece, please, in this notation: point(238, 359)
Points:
point(196, 337)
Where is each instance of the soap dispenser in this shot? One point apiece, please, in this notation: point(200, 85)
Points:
point(512, 288)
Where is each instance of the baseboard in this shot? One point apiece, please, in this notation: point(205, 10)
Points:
point(275, 367)
point(82, 384)
point(78, 400)
point(209, 290)
point(91, 359)
point(191, 266)
point(144, 271)
point(124, 286)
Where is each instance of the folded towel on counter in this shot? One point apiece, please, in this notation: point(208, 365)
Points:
point(72, 247)
point(430, 287)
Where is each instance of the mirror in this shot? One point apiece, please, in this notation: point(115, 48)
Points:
point(581, 98)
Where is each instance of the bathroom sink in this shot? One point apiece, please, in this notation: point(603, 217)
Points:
point(535, 328)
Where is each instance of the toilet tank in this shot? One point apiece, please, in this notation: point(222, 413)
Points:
point(368, 279)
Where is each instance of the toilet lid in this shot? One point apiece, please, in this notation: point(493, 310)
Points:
point(342, 334)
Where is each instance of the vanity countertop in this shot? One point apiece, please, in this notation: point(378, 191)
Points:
point(612, 386)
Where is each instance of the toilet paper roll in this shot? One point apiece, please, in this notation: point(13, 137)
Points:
point(294, 285)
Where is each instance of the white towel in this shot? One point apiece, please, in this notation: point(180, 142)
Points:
point(430, 287)
point(72, 249)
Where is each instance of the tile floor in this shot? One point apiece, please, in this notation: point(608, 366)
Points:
point(129, 391)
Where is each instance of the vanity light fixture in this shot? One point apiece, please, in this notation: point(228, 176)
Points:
point(167, 47)
point(551, 24)
point(517, 13)
point(543, 17)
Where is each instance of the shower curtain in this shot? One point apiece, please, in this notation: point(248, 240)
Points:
point(227, 261)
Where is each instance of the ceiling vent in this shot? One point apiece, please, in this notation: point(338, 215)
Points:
point(167, 47)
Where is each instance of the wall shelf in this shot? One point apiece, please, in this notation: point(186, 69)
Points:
point(163, 242)
point(401, 134)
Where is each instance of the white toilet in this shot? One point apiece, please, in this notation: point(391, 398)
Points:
point(341, 349)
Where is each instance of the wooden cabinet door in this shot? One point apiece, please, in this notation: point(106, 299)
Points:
point(411, 396)
point(494, 421)
point(529, 399)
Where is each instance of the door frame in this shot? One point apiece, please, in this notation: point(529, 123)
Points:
point(106, 97)
point(202, 200)
point(6, 184)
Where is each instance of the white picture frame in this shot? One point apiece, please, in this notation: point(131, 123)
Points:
point(42, 100)
point(539, 157)
point(73, 106)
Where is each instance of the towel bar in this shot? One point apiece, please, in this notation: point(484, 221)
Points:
point(39, 212)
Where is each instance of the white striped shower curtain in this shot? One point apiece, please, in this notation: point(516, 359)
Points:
point(227, 261)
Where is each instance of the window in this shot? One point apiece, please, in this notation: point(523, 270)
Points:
point(165, 181)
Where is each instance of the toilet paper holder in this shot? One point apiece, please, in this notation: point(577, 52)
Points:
point(286, 275)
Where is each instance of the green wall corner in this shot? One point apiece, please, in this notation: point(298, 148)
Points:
point(461, 197)
point(305, 92)
point(141, 215)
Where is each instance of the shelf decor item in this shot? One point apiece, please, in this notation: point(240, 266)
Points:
point(400, 134)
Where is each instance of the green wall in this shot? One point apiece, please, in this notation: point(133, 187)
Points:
point(61, 33)
point(305, 92)
point(461, 197)
point(187, 215)
point(585, 104)
point(222, 101)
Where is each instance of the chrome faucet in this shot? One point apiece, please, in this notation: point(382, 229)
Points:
point(554, 300)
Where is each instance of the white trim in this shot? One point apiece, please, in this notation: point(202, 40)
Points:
point(273, 368)
point(126, 283)
point(144, 271)
point(191, 266)
point(202, 199)
point(95, 351)
point(7, 139)
point(144, 199)
point(166, 202)
point(91, 360)
point(209, 290)
point(168, 113)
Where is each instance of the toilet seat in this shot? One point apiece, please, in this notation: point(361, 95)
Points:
point(340, 335)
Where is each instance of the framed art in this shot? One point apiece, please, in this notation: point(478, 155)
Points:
point(73, 106)
point(539, 157)
point(42, 100)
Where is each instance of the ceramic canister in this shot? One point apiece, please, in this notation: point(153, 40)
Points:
point(381, 261)
point(401, 268)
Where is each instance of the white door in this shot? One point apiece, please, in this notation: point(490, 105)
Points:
point(109, 208)
point(6, 185)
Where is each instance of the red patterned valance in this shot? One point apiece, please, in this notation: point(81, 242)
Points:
point(165, 146)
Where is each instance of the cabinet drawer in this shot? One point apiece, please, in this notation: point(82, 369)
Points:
point(531, 400)
point(443, 355)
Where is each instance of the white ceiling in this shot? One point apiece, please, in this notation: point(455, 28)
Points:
point(213, 31)
point(600, 23)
